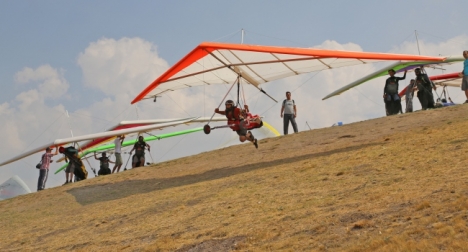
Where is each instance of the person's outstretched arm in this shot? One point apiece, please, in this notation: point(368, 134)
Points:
point(220, 111)
point(404, 76)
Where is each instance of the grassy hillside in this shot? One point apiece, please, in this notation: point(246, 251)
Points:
point(396, 183)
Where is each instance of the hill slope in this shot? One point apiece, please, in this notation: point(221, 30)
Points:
point(388, 184)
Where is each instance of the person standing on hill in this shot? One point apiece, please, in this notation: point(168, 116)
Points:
point(409, 94)
point(44, 170)
point(391, 98)
point(425, 87)
point(118, 153)
point(391, 86)
point(464, 75)
point(290, 112)
point(103, 164)
point(75, 166)
point(139, 158)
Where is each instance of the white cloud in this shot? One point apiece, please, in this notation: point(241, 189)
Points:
point(51, 82)
point(453, 46)
point(5, 109)
point(333, 45)
point(120, 66)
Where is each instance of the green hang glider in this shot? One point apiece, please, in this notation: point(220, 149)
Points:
point(132, 142)
point(399, 66)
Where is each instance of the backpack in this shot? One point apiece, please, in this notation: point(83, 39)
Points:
point(38, 166)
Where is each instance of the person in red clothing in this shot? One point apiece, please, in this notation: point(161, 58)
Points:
point(252, 121)
point(237, 119)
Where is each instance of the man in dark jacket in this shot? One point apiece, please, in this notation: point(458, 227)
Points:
point(390, 95)
point(425, 87)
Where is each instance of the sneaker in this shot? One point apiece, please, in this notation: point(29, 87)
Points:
point(466, 101)
point(66, 183)
point(255, 143)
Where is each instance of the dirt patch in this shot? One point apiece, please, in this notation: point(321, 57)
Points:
point(215, 245)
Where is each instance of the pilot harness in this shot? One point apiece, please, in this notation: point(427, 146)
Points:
point(207, 128)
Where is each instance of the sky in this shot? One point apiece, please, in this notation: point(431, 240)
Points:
point(72, 67)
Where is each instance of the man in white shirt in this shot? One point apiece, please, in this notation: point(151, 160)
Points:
point(290, 113)
point(118, 150)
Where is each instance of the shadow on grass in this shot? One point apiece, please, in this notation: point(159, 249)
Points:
point(112, 191)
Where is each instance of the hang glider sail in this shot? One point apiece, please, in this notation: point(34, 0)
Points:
point(13, 187)
point(132, 142)
point(108, 147)
point(221, 63)
point(60, 142)
point(451, 79)
point(399, 66)
point(139, 123)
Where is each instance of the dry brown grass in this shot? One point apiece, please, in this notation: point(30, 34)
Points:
point(397, 183)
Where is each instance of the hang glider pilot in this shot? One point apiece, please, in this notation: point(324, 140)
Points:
point(425, 87)
point(139, 158)
point(75, 165)
point(241, 121)
point(391, 86)
point(104, 164)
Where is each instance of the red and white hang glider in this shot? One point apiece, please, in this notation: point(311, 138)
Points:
point(451, 79)
point(102, 135)
point(221, 63)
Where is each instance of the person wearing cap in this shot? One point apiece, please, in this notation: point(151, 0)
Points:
point(425, 86)
point(464, 75)
point(118, 150)
point(235, 118)
point(44, 169)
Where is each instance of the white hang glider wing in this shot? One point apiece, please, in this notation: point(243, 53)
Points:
point(399, 66)
point(220, 63)
point(107, 134)
point(13, 187)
